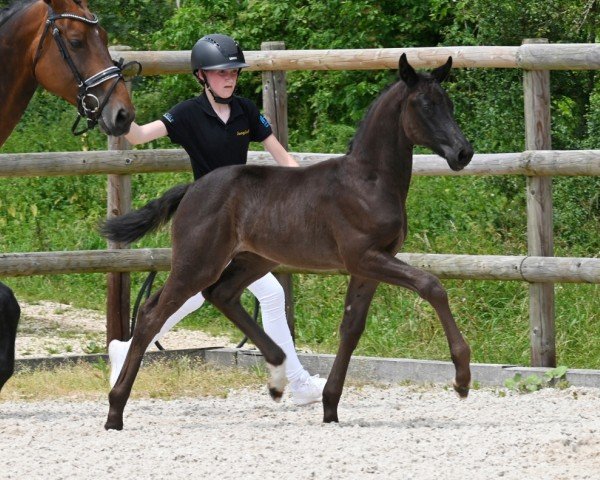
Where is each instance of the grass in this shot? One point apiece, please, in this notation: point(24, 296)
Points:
point(161, 379)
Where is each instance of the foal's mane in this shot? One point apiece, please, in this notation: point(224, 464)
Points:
point(367, 116)
point(15, 7)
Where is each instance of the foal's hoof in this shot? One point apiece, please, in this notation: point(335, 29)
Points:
point(331, 418)
point(277, 381)
point(113, 424)
point(463, 392)
point(275, 394)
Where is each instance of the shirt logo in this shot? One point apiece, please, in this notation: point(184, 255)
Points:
point(243, 132)
point(169, 117)
point(264, 121)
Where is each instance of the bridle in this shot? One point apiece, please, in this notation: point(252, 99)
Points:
point(88, 105)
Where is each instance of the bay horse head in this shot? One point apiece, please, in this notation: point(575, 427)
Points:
point(73, 46)
point(59, 45)
point(427, 115)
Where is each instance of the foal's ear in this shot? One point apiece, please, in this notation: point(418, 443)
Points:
point(406, 72)
point(441, 73)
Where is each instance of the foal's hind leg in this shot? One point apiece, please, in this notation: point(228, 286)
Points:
point(358, 298)
point(225, 295)
point(181, 284)
point(140, 340)
point(384, 267)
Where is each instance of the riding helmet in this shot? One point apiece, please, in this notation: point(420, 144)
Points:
point(217, 52)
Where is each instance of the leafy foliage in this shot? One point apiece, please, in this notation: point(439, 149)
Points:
point(532, 383)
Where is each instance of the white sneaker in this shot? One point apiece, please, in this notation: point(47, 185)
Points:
point(117, 352)
point(309, 390)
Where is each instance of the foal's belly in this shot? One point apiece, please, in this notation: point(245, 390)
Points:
point(297, 248)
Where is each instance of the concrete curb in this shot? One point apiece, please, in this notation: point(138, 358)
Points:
point(368, 369)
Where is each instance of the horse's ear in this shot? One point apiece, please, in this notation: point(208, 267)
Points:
point(406, 72)
point(441, 73)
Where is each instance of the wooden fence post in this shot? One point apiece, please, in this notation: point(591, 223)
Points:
point(540, 242)
point(118, 283)
point(275, 107)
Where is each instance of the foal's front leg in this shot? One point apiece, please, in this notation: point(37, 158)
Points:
point(384, 267)
point(358, 298)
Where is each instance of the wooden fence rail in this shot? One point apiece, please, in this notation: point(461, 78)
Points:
point(529, 163)
point(529, 57)
point(466, 267)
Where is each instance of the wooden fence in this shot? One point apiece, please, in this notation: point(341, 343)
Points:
point(538, 163)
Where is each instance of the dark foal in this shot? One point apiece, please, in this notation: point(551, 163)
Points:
point(343, 213)
point(69, 50)
point(9, 319)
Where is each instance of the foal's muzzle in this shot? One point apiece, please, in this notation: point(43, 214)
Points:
point(458, 157)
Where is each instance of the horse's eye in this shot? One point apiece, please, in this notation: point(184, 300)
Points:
point(76, 43)
point(427, 105)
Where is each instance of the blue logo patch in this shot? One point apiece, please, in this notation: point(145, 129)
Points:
point(264, 121)
point(169, 117)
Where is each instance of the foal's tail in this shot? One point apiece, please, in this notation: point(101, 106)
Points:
point(9, 318)
point(134, 225)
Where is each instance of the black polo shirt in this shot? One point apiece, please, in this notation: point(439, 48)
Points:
point(209, 142)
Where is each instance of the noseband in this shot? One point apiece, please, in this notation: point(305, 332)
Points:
point(88, 105)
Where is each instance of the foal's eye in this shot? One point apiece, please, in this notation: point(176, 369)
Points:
point(426, 105)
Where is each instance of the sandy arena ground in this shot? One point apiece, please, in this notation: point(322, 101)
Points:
point(398, 432)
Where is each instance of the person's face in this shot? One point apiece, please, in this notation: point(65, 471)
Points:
point(222, 81)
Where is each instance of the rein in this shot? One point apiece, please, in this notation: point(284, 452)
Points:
point(88, 105)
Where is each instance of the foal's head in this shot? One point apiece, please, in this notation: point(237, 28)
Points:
point(427, 115)
point(85, 54)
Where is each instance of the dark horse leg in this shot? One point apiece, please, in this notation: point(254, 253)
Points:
point(9, 319)
point(384, 267)
point(225, 294)
point(358, 299)
point(183, 282)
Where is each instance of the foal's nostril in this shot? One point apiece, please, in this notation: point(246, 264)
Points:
point(465, 155)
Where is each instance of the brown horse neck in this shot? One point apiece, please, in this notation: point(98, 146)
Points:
point(17, 81)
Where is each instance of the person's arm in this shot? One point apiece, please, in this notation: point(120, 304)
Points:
point(280, 154)
point(146, 133)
